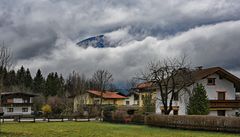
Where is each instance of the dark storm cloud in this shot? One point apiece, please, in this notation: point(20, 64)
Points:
point(42, 34)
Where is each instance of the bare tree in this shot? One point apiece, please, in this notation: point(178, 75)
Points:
point(77, 83)
point(169, 77)
point(102, 79)
point(5, 57)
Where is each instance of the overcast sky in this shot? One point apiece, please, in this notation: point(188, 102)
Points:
point(43, 33)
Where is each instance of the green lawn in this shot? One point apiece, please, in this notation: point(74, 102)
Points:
point(96, 129)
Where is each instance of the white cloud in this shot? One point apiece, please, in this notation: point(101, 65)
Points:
point(42, 34)
point(204, 45)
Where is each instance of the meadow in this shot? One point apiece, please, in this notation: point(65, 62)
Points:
point(97, 129)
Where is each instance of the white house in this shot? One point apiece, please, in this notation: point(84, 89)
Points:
point(132, 99)
point(221, 87)
point(16, 103)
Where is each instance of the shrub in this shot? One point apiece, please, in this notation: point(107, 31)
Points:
point(119, 116)
point(215, 123)
point(46, 109)
point(138, 119)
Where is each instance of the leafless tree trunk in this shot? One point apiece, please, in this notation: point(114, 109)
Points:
point(102, 79)
point(5, 57)
point(5, 63)
point(169, 76)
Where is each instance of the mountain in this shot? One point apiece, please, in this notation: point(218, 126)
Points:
point(99, 41)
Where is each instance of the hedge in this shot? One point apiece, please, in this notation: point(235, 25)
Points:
point(211, 123)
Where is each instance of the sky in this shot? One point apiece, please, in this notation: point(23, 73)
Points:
point(43, 34)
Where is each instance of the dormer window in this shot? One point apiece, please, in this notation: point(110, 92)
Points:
point(211, 81)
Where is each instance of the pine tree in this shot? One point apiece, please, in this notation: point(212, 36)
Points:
point(38, 83)
point(12, 79)
point(198, 102)
point(28, 79)
point(21, 76)
point(61, 89)
point(51, 89)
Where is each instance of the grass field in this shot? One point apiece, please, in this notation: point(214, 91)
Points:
point(95, 129)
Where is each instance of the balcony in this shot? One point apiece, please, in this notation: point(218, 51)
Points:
point(224, 103)
point(5, 104)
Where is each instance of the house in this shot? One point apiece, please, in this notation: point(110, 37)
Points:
point(144, 89)
point(16, 103)
point(132, 99)
point(93, 97)
point(221, 86)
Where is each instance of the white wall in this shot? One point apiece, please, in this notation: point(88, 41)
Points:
point(220, 85)
point(17, 100)
point(131, 100)
point(17, 111)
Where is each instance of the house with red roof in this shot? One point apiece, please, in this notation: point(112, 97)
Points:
point(93, 97)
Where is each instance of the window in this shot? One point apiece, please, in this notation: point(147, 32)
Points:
point(221, 95)
point(142, 97)
point(211, 81)
point(221, 112)
point(24, 109)
point(127, 102)
point(9, 109)
point(136, 97)
point(175, 112)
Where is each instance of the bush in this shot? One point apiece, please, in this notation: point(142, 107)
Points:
point(119, 116)
point(138, 119)
point(46, 109)
point(215, 123)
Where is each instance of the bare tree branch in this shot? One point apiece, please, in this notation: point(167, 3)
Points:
point(169, 76)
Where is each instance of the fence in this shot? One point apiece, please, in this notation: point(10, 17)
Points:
point(211, 123)
point(30, 118)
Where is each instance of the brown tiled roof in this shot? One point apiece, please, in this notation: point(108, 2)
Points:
point(203, 73)
point(144, 85)
point(107, 94)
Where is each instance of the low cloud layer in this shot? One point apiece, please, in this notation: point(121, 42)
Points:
point(43, 34)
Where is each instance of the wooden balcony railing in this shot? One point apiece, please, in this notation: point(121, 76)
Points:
point(224, 103)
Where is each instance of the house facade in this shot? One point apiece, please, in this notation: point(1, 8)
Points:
point(94, 97)
point(16, 103)
point(221, 87)
point(132, 99)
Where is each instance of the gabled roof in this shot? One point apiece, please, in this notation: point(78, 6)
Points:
point(22, 93)
point(201, 74)
point(144, 85)
point(107, 94)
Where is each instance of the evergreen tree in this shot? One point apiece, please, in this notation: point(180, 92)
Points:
point(51, 85)
point(38, 83)
point(198, 102)
point(61, 84)
point(9, 79)
point(21, 76)
point(148, 103)
point(28, 79)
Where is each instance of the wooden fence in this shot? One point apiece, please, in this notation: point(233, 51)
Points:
point(22, 118)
